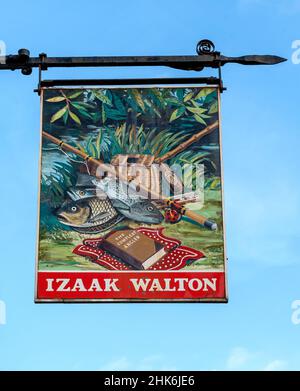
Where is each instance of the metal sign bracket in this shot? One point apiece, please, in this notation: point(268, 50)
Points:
point(207, 57)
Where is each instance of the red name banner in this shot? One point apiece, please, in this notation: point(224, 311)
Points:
point(130, 285)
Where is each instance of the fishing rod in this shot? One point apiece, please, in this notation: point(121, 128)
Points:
point(171, 204)
point(187, 143)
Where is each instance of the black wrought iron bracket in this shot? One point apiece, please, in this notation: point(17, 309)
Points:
point(207, 57)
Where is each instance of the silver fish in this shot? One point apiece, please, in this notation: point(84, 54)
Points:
point(84, 188)
point(77, 193)
point(128, 202)
point(91, 215)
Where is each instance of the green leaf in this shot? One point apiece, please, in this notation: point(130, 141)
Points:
point(103, 98)
point(108, 94)
point(204, 92)
point(75, 95)
point(81, 105)
point(114, 114)
point(80, 147)
point(82, 110)
point(196, 110)
point(188, 97)
point(152, 108)
point(56, 99)
point(173, 102)
point(96, 116)
point(215, 183)
point(85, 114)
point(74, 117)
point(180, 93)
point(119, 104)
point(65, 117)
point(131, 102)
point(98, 144)
point(213, 108)
point(103, 114)
point(93, 151)
point(58, 114)
point(138, 98)
point(177, 113)
point(157, 96)
point(199, 119)
point(209, 99)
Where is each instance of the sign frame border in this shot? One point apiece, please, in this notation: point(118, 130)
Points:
point(223, 300)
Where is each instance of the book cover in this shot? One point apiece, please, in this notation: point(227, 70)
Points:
point(134, 248)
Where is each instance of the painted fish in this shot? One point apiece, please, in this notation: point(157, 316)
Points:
point(85, 188)
point(128, 202)
point(91, 215)
point(77, 193)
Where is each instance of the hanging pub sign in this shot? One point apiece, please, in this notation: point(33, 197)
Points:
point(131, 205)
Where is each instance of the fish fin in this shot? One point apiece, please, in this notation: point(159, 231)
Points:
point(85, 180)
point(98, 216)
point(118, 204)
point(72, 195)
point(95, 182)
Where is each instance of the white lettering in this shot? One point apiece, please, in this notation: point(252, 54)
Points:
point(196, 287)
point(140, 284)
point(95, 286)
point(155, 286)
point(181, 285)
point(211, 283)
point(174, 285)
point(78, 286)
point(63, 283)
point(49, 284)
point(110, 285)
point(167, 285)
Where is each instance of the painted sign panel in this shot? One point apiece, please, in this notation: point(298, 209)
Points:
point(130, 205)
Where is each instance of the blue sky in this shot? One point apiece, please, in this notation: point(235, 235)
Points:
point(260, 115)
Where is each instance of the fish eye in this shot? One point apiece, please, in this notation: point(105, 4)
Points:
point(73, 208)
point(82, 192)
